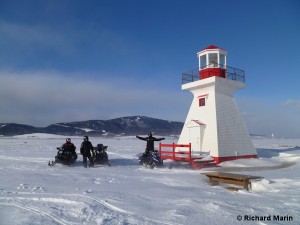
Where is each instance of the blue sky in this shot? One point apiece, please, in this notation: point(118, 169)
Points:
point(63, 61)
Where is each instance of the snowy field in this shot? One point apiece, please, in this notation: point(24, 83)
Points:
point(31, 192)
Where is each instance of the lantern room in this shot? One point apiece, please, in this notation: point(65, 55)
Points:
point(212, 62)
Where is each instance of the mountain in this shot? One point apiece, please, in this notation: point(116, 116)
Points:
point(11, 129)
point(132, 125)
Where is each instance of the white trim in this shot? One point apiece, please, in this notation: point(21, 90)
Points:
point(203, 96)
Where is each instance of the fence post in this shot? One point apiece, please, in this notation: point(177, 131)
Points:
point(190, 153)
point(159, 149)
point(173, 151)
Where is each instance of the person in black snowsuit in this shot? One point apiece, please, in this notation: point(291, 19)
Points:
point(86, 149)
point(150, 143)
point(69, 146)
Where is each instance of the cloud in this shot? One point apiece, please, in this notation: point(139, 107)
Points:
point(265, 117)
point(63, 38)
point(46, 97)
point(293, 103)
point(42, 98)
point(27, 36)
point(66, 46)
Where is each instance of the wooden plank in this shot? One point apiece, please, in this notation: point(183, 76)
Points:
point(231, 178)
point(231, 175)
point(229, 181)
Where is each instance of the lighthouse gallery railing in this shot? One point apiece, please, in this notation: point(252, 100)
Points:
point(231, 74)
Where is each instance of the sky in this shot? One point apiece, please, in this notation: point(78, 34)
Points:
point(71, 60)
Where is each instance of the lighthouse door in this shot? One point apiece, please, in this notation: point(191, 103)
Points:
point(195, 138)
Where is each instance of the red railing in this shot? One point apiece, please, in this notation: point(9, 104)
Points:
point(171, 153)
point(231, 74)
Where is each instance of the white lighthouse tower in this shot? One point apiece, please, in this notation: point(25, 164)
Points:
point(213, 125)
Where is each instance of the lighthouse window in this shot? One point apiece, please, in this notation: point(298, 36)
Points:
point(201, 102)
point(222, 61)
point(202, 61)
point(213, 60)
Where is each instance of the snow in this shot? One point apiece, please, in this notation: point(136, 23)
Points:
point(31, 192)
point(85, 129)
point(79, 128)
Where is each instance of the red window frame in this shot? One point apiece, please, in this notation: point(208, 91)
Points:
point(201, 102)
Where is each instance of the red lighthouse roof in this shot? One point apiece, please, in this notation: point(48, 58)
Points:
point(212, 47)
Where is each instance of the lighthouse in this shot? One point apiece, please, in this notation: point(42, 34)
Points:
point(213, 125)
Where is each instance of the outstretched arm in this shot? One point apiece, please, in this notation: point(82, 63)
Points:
point(159, 139)
point(141, 138)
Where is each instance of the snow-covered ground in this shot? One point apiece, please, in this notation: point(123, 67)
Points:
point(31, 192)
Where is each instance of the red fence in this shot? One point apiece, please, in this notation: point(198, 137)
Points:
point(167, 151)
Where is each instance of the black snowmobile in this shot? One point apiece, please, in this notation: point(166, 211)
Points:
point(151, 159)
point(64, 156)
point(100, 156)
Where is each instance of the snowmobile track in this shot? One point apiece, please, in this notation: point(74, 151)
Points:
point(38, 212)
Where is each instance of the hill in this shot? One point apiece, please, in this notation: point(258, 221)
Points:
point(131, 125)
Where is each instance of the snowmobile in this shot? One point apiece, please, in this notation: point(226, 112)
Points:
point(151, 159)
point(100, 156)
point(63, 156)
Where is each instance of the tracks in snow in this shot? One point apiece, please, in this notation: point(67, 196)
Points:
point(68, 209)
